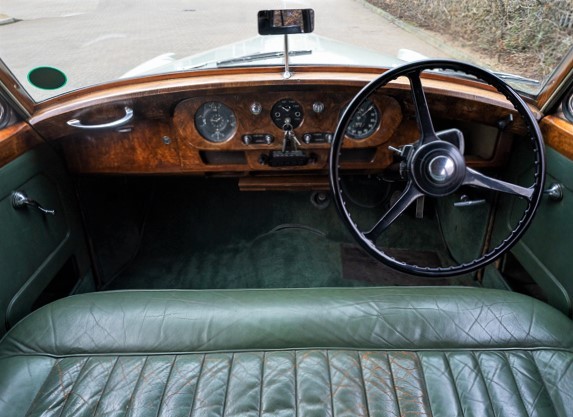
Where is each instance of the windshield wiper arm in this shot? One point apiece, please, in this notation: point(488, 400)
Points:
point(517, 78)
point(502, 75)
point(260, 56)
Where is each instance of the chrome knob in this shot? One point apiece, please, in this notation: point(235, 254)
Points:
point(441, 168)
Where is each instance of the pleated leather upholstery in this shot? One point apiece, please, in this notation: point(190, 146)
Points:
point(48, 374)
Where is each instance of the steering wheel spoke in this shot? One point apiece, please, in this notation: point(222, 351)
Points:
point(422, 110)
point(477, 179)
point(408, 196)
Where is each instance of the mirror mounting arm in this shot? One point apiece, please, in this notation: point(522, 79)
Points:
point(287, 74)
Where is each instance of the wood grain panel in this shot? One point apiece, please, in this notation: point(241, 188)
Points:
point(247, 123)
point(143, 150)
point(15, 140)
point(558, 134)
point(154, 97)
point(285, 183)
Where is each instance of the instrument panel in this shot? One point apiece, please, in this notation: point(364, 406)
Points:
point(260, 121)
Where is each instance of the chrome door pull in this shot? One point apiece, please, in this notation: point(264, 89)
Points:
point(116, 123)
point(21, 200)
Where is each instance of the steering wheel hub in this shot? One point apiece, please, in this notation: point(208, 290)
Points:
point(438, 168)
point(441, 168)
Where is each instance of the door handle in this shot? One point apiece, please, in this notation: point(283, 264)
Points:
point(116, 123)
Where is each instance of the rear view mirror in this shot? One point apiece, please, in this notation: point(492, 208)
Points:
point(286, 22)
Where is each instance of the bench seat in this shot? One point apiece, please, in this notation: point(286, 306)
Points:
point(290, 352)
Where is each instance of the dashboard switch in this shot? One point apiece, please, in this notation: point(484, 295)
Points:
point(258, 139)
point(317, 137)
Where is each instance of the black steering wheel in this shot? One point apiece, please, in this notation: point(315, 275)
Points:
point(435, 167)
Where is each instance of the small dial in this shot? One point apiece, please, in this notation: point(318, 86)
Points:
point(215, 121)
point(287, 113)
point(364, 122)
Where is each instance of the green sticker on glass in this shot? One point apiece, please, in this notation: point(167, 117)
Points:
point(47, 78)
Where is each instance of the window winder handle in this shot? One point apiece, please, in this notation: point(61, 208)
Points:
point(21, 200)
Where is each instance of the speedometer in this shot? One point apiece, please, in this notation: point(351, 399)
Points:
point(215, 121)
point(364, 122)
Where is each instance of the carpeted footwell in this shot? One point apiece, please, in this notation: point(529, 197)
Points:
point(287, 257)
point(204, 233)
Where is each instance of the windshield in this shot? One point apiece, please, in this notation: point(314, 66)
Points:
point(56, 46)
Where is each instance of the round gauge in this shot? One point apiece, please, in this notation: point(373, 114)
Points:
point(215, 121)
point(287, 112)
point(364, 122)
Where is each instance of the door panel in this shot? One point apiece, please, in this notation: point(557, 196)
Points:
point(546, 249)
point(35, 247)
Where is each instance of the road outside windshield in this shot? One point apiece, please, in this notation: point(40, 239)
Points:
point(88, 42)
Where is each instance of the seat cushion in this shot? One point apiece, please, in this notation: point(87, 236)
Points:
point(387, 351)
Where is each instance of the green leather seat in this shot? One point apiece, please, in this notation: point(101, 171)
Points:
point(307, 352)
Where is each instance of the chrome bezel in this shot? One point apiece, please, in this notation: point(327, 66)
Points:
point(215, 135)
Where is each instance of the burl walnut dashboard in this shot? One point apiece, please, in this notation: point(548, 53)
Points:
point(258, 123)
point(280, 130)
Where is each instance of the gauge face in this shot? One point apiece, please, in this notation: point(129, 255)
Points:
point(287, 112)
point(215, 122)
point(364, 122)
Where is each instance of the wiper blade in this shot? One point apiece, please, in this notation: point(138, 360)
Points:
point(516, 78)
point(260, 56)
point(503, 75)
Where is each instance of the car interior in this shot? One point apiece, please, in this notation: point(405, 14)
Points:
point(304, 240)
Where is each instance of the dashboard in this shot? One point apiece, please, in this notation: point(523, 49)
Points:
point(237, 124)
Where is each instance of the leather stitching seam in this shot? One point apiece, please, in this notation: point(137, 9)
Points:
point(424, 383)
point(506, 358)
point(393, 382)
point(453, 378)
point(105, 385)
point(330, 383)
point(165, 386)
point(295, 384)
point(364, 391)
point(262, 384)
point(542, 379)
point(480, 373)
point(67, 397)
point(42, 388)
point(137, 383)
point(227, 385)
point(197, 385)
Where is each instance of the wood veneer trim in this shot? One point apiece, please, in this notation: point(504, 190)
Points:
point(16, 140)
point(558, 134)
point(198, 83)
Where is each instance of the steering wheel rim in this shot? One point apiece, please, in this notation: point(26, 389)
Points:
point(429, 167)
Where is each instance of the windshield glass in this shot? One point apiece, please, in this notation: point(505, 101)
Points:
point(57, 46)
